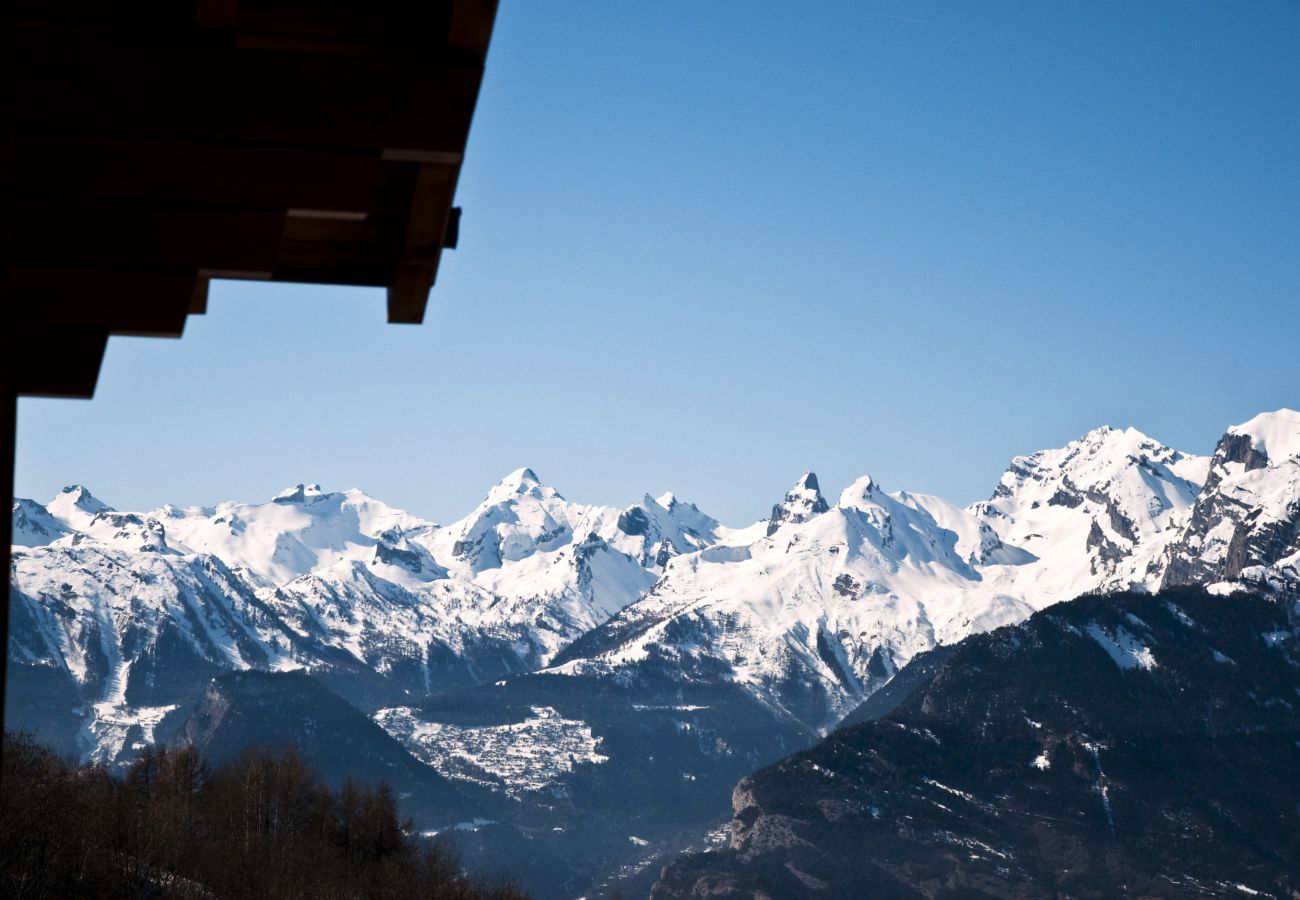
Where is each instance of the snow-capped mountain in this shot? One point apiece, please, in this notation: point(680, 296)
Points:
point(300, 530)
point(497, 592)
point(816, 613)
point(645, 649)
point(1245, 525)
point(1098, 514)
point(822, 609)
point(382, 604)
point(810, 610)
point(801, 503)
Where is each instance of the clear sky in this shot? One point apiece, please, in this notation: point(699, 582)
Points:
point(707, 246)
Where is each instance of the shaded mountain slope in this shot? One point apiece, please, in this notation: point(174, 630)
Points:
point(1125, 745)
point(605, 773)
point(274, 710)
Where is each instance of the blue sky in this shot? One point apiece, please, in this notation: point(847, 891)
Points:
point(707, 246)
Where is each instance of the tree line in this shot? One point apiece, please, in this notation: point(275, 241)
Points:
point(261, 826)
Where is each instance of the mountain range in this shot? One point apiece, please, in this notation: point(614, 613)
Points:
point(542, 653)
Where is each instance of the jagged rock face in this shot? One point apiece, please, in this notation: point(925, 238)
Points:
point(1245, 526)
point(801, 503)
point(1047, 760)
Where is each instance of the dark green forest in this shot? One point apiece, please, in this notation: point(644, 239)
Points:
point(261, 826)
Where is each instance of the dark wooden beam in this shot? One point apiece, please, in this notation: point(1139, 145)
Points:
point(426, 230)
point(146, 302)
point(54, 362)
point(239, 95)
point(470, 25)
point(200, 173)
point(386, 22)
point(58, 232)
point(400, 26)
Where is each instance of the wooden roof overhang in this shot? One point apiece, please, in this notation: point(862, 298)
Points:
point(148, 147)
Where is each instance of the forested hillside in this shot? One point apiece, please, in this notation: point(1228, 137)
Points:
point(263, 825)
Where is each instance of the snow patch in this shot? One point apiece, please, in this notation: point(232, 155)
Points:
point(1126, 650)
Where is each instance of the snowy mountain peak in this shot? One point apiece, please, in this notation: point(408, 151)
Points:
point(521, 483)
point(299, 493)
point(1274, 436)
point(1094, 462)
point(667, 500)
point(76, 506)
point(803, 501)
point(863, 490)
point(79, 496)
point(1119, 495)
point(807, 482)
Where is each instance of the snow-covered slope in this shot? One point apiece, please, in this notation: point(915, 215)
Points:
point(135, 631)
point(1098, 514)
point(300, 530)
point(34, 526)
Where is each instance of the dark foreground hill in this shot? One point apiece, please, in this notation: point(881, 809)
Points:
point(1129, 745)
point(274, 710)
point(259, 826)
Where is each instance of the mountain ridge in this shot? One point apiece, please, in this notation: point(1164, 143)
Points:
point(834, 598)
point(645, 646)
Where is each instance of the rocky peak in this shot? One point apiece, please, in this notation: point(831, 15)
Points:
point(299, 493)
point(1245, 525)
point(803, 501)
point(1269, 439)
point(1272, 437)
point(76, 506)
point(1119, 495)
point(79, 496)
